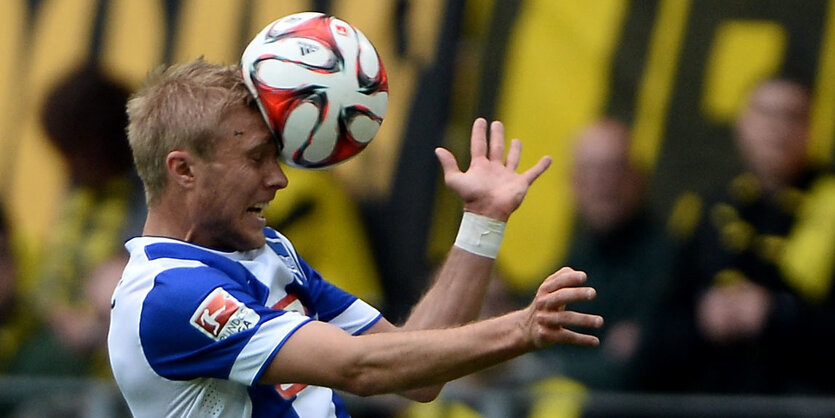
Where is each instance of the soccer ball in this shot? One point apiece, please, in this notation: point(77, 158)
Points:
point(320, 85)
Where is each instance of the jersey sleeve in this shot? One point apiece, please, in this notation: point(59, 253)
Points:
point(197, 322)
point(329, 303)
point(337, 307)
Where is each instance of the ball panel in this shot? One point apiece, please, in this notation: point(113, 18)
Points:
point(280, 74)
point(289, 24)
point(369, 63)
point(299, 127)
point(323, 140)
point(363, 128)
point(306, 53)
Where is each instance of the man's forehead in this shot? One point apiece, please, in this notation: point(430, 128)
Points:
point(779, 92)
point(236, 140)
point(241, 121)
point(602, 141)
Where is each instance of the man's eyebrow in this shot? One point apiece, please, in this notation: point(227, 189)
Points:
point(261, 144)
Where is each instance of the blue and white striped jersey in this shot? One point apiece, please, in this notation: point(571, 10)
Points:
point(192, 329)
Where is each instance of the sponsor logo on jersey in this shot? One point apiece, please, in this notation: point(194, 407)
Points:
point(221, 315)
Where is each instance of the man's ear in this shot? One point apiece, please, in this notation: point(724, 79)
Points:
point(180, 166)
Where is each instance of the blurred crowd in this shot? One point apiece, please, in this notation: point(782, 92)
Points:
point(737, 301)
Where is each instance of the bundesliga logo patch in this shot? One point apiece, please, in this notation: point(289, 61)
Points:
point(221, 315)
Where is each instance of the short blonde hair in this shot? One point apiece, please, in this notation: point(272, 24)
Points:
point(180, 107)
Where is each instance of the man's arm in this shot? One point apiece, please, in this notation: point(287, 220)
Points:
point(490, 187)
point(320, 354)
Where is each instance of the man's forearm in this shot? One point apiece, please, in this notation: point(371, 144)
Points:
point(392, 362)
point(324, 355)
point(456, 294)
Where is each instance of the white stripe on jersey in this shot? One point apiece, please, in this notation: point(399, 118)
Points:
point(354, 319)
point(260, 348)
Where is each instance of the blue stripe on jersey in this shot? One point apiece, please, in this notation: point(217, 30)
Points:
point(232, 268)
point(267, 403)
point(324, 300)
point(270, 233)
point(330, 300)
point(339, 406)
point(174, 348)
point(279, 248)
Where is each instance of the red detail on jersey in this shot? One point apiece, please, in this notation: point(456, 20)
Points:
point(216, 311)
point(290, 303)
point(288, 391)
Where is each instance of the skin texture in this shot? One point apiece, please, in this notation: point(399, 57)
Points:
point(214, 203)
point(424, 352)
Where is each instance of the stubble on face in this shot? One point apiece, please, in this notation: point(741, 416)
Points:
point(232, 189)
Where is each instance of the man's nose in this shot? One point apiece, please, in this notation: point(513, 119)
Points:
point(276, 178)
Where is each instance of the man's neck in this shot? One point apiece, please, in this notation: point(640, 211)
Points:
point(164, 221)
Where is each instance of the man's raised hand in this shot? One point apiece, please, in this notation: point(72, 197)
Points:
point(491, 186)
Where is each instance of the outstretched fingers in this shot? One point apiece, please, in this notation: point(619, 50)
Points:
point(549, 314)
point(534, 172)
point(571, 319)
point(496, 141)
point(554, 327)
point(562, 278)
point(514, 154)
point(568, 336)
point(557, 299)
point(478, 139)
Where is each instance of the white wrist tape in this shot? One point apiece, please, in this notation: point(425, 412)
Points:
point(480, 235)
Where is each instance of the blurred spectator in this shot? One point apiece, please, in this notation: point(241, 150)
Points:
point(623, 251)
point(8, 270)
point(22, 353)
point(12, 330)
point(753, 309)
point(15, 322)
point(84, 118)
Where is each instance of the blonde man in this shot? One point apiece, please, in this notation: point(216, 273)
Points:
point(217, 315)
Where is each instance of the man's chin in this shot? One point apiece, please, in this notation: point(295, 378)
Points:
point(248, 242)
point(255, 242)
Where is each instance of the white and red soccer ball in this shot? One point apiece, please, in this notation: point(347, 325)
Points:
point(321, 87)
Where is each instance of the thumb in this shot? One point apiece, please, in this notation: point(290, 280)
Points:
point(447, 160)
